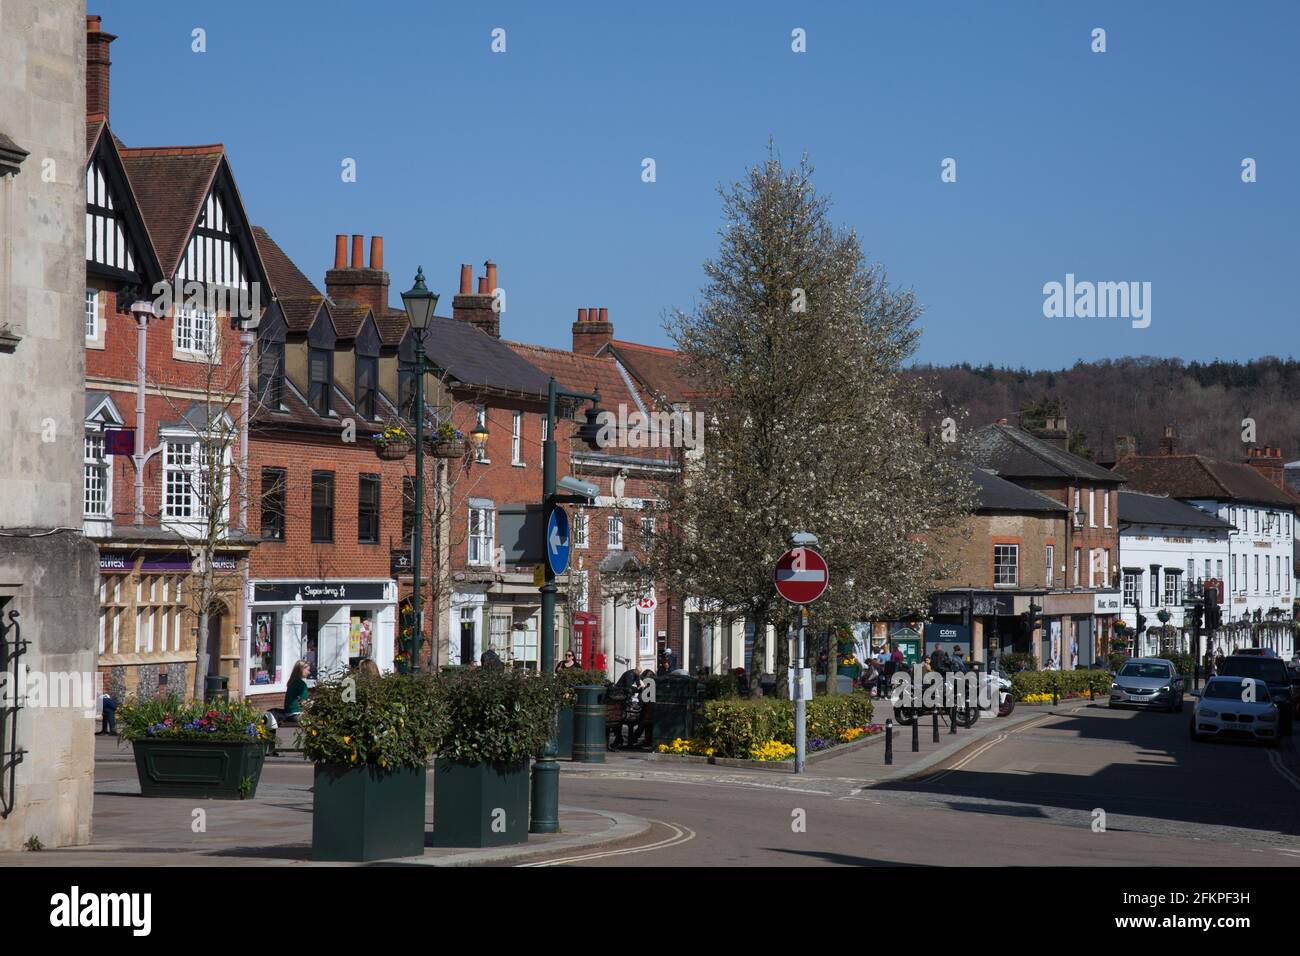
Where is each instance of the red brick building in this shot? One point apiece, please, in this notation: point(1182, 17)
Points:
point(173, 286)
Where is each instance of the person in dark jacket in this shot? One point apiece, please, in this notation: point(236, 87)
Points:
point(631, 685)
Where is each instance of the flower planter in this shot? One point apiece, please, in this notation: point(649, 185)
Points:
point(478, 805)
point(365, 813)
point(448, 449)
point(215, 770)
point(393, 451)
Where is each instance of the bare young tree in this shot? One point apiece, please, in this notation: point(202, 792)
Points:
point(811, 425)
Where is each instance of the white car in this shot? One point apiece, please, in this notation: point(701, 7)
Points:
point(1237, 707)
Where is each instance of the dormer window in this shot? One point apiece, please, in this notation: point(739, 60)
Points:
point(367, 385)
point(321, 373)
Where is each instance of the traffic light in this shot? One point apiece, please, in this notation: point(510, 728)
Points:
point(1211, 600)
point(1030, 617)
point(1141, 623)
point(1195, 610)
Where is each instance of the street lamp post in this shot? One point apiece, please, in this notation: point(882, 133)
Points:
point(546, 772)
point(419, 303)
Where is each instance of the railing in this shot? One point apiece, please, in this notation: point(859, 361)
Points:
point(12, 648)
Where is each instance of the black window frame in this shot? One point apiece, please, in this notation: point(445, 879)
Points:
point(367, 392)
point(318, 393)
point(322, 512)
point(273, 500)
point(368, 517)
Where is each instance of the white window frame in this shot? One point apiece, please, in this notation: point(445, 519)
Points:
point(1092, 508)
point(1130, 586)
point(189, 326)
point(647, 527)
point(614, 532)
point(1105, 568)
point(645, 634)
point(187, 476)
point(101, 466)
point(517, 439)
point(1105, 508)
point(1078, 556)
point(999, 567)
point(479, 546)
point(94, 315)
point(580, 525)
point(1051, 564)
point(1172, 597)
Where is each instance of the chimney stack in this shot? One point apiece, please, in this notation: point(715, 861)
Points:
point(1169, 441)
point(1125, 447)
point(466, 279)
point(594, 331)
point(97, 70)
point(353, 283)
point(1268, 462)
point(476, 308)
point(1055, 432)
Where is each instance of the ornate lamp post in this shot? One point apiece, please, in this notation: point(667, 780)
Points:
point(419, 303)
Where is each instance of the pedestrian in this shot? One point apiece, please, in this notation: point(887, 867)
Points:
point(742, 682)
point(936, 659)
point(491, 660)
point(897, 657)
point(109, 707)
point(630, 685)
point(296, 692)
point(366, 667)
point(569, 662)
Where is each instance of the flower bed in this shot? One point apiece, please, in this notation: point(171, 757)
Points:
point(170, 718)
point(770, 750)
point(1025, 684)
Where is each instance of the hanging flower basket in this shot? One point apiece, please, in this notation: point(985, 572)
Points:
point(393, 443)
point(449, 449)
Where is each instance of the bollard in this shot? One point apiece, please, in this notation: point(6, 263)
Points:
point(916, 734)
point(889, 741)
point(934, 722)
point(952, 721)
point(1056, 693)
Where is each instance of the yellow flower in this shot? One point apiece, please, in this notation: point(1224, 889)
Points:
point(347, 740)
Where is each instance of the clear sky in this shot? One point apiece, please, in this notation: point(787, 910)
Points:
point(1115, 166)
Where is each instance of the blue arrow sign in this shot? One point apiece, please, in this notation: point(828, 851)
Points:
point(557, 540)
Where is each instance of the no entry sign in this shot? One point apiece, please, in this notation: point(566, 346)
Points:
point(801, 575)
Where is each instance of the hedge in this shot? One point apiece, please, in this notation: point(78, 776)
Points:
point(1025, 683)
point(734, 726)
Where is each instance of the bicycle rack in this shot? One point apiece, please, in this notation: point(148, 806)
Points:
point(11, 755)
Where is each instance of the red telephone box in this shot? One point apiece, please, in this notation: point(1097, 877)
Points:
point(586, 639)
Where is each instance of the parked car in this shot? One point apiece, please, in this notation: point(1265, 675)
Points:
point(1224, 710)
point(1147, 682)
point(1255, 652)
point(1283, 684)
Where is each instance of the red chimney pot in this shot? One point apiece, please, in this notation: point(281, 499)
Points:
point(466, 279)
point(357, 261)
point(340, 251)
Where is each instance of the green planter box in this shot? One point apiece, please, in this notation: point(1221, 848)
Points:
point(477, 805)
point(217, 770)
point(564, 734)
point(364, 813)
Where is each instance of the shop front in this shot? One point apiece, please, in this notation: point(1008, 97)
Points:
point(331, 625)
point(149, 619)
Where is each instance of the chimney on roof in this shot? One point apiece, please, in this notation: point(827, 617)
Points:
point(1268, 462)
point(476, 308)
point(1126, 446)
point(355, 283)
point(1054, 432)
point(466, 278)
point(1169, 441)
point(592, 330)
point(97, 69)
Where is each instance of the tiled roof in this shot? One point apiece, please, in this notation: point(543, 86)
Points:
point(586, 373)
point(285, 278)
point(348, 318)
point(1195, 476)
point(661, 371)
point(474, 358)
point(299, 314)
point(170, 185)
point(1014, 453)
point(1136, 507)
point(93, 129)
point(997, 494)
point(296, 411)
point(392, 326)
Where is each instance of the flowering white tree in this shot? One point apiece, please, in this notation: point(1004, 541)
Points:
point(811, 425)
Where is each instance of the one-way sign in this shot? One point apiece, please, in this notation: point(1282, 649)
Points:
point(557, 540)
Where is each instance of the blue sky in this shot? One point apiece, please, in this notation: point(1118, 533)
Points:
point(1115, 166)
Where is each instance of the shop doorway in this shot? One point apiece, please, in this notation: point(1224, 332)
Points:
point(310, 639)
point(216, 623)
point(467, 616)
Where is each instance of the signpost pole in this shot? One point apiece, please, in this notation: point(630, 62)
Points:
point(800, 705)
point(546, 771)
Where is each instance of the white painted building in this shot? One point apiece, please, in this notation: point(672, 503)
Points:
point(1166, 547)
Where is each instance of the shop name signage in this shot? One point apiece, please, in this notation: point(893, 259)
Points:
point(288, 592)
point(163, 561)
point(1107, 603)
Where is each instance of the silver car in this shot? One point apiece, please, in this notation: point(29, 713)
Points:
point(1228, 707)
point(1147, 682)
